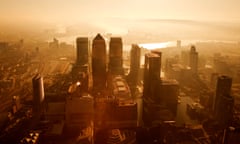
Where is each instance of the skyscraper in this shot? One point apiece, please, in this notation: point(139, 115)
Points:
point(38, 94)
point(158, 94)
point(193, 61)
point(99, 58)
point(152, 69)
point(82, 50)
point(135, 60)
point(134, 74)
point(223, 103)
point(115, 55)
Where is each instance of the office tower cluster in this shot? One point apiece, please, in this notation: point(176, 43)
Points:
point(158, 94)
point(99, 66)
point(108, 81)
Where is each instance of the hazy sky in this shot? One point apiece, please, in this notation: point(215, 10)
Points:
point(71, 11)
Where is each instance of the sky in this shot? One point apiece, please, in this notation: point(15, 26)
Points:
point(73, 11)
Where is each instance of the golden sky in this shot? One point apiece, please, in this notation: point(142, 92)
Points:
point(72, 11)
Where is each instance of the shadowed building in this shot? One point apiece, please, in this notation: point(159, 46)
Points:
point(99, 62)
point(134, 75)
point(115, 55)
point(193, 61)
point(38, 94)
point(82, 50)
point(135, 60)
point(152, 69)
point(121, 115)
point(159, 95)
point(79, 111)
point(224, 102)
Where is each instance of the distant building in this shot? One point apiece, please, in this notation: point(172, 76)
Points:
point(134, 62)
point(193, 61)
point(54, 44)
point(38, 94)
point(99, 59)
point(115, 55)
point(82, 50)
point(223, 102)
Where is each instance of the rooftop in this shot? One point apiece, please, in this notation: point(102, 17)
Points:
point(98, 37)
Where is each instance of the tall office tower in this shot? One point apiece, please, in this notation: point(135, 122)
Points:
point(152, 70)
point(193, 61)
point(160, 61)
point(223, 103)
point(115, 55)
point(99, 62)
point(82, 50)
point(134, 63)
point(38, 94)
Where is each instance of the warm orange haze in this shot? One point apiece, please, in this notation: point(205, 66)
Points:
point(120, 71)
point(157, 19)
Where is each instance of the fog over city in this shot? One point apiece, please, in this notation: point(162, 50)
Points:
point(170, 20)
point(120, 71)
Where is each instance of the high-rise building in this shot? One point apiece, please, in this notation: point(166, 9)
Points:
point(99, 59)
point(152, 70)
point(135, 59)
point(193, 61)
point(115, 55)
point(134, 64)
point(223, 102)
point(38, 94)
point(159, 95)
point(166, 92)
point(82, 50)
